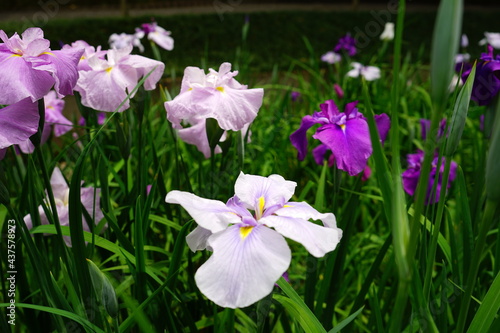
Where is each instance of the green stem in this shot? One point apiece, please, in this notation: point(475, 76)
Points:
point(488, 216)
point(437, 227)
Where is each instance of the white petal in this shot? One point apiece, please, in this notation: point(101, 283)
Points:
point(210, 214)
point(370, 73)
point(243, 270)
point(274, 189)
point(292, 222)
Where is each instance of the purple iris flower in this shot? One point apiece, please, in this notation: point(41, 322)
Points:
point(295, 95)
point(425, 125)
point(345, 134)
point(412, 175)
point(30, 68)
point(346, 44)
point(487, 80)
point(248, 256)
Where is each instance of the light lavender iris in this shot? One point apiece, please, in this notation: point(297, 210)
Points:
point(248, 256)
point(30, 68)
point(214, 95)
point(158, 35)
point(345, 134)
point(61, 196)
point(110, 80)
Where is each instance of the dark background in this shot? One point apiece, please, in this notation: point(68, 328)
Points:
point(18, 5)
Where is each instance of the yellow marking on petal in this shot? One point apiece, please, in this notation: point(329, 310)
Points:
point(221, 89)
point(245, 231)
point(16, 55)
point(109, 69)
point(262, 203)
point(82, 57)
point(342, 126)
point(49, 53)
point(190, 89)
point(287, 206)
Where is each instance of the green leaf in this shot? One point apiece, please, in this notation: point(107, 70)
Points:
point(489, 307)
point(84, 322)
point(445, 41)
point(346, 321)
point(459, 115)
point(298, 309)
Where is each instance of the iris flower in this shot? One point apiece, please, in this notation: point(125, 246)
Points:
point(18, 122)
point(346, 44)
point(487, 80)
point(491, 38)
point(331, 57)
point(345, 134)
point(30, 68)
point(412, 175)
point(158, 35)
point(89, 51)
point(119, 41)
point(248, 256)
point(109, 82)
point(61, 196)
point(425, 125)
point(370, 73)
point(214, 95)
point(388, 33)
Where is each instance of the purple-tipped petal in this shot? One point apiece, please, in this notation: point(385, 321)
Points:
point(197, 239)
point(244, 265)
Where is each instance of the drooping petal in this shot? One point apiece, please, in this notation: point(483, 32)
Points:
point(274, 190)
point(316, 239)
point(350, 145)
point(299, 137)
point(197, 135)
point(18, 122)
point(59, 185)
point(210, 214)
point(90, 200)
point(144, 66)
point(20, 80)
point(232, 108)
point(244, 266)
point(319, 153)
point(197, 239)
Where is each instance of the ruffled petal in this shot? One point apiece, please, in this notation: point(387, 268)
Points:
point(383, 123)
point(210, 214)
point(274, 190)
point(244, 266)
point(18, 122)
point(197, 135)
point(143, 66)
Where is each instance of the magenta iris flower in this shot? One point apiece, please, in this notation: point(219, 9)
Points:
point(346, 44)
point(487, 80)
point(110, 80)
point(30, 68)
point(18, 122)
point(61, 197)
point(248, 256)
point(412, 175)
point(345, 134)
